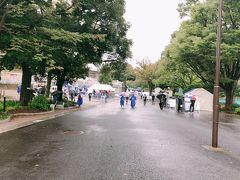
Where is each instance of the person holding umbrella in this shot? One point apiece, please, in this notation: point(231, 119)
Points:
point(161, 97)
point(180, 104)
point(153, 98)
point(192, 100)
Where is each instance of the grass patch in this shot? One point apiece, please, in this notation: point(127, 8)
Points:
point(10, 105)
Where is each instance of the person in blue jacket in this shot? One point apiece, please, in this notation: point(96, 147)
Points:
point(19, 89)
point(133, 101)
point(122, 101)
point(80, 100)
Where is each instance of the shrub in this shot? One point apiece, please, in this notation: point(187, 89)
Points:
point(66, 104)
point(10, 105)
point(237, 110)
point(40, 102)
point(71, 103)
point(4, 115)
point(234, 106)
point(64, 100)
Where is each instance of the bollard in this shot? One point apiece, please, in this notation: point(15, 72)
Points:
point(4, 104)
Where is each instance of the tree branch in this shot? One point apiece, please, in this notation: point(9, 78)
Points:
point(2, 3)
point(5, 15)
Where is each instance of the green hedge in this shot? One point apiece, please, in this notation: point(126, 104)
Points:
point(69, 103)
point(40, 102)
point(10, 105)
point(234, 106)
point(237, 110)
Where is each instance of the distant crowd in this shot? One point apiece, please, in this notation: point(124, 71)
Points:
point(161, 96)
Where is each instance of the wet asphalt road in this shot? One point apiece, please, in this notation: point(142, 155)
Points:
point(106, 142)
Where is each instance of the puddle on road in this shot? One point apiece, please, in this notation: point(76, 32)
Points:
point(73, 132)
point(95, 128)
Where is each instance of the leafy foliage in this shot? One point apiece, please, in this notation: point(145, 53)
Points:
point(146, 73)
point(195, 44)
point(4, 115)
point(116, 70)
point(10, 105)
point(40, 102)
point(59, 40)
point(175, 74)
point(22, 42)
point(237, 110)
point(105, 76)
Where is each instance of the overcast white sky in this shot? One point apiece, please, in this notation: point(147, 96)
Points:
point(152, 23)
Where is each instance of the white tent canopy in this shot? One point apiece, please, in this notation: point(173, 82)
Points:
point(101, 87)
point(204, 99)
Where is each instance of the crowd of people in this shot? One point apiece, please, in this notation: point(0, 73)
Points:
point(70, 93)
point(125, 97)
point(161, 96)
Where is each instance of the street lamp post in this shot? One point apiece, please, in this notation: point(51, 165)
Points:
point(216, 86)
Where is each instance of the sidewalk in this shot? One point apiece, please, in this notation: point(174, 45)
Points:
point(27, 120)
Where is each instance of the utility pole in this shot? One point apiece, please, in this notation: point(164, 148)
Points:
point(217, 78)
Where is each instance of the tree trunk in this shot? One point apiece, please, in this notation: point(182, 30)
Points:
point(151, 86)
point(49, 79)
point(229, 92)
point(26, 85)
point(60, 81)
point(125, 85)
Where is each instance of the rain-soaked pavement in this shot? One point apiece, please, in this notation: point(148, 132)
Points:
point(106, 142)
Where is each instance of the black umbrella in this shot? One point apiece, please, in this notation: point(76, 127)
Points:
point(161, 96)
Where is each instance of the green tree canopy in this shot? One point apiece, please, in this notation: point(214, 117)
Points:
point(146, 72)
point(195, 44)
point(105, 76)
point(61, 39)
point(21, 42)
point(175, 74)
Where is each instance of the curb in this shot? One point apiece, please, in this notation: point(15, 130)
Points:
point(31, 122)
point(29, 114)
point(33, 114)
